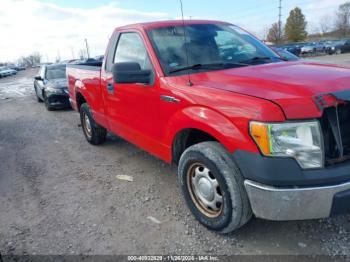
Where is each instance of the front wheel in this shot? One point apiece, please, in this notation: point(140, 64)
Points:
point(213, 187)
point(94, 133)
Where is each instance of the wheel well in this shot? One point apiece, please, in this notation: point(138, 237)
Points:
point(80, 100)
point(187, 138)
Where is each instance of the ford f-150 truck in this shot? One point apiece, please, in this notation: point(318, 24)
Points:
point(249, 132)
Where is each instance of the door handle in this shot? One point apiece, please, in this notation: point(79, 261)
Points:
point(170, 99)
point(110, 88)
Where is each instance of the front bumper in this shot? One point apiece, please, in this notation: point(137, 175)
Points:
point(58, 100)
point(287, 173)
point(282, 204)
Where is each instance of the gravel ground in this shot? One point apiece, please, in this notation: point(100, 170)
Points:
point(60, 195)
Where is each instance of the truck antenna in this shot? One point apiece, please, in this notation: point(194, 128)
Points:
point(189, 83)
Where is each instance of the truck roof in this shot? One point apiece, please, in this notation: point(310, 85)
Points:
point(159, 24)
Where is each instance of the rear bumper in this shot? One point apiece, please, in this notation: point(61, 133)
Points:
point(282, 204)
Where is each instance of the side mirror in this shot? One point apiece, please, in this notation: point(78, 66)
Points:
point(39, 78)
point(130, 72)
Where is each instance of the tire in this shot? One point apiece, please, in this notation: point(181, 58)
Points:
point(47, 104)
point(94, 133)
point(36, 93)
point(234, 210)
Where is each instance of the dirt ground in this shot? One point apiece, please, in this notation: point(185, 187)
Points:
point(60, 195)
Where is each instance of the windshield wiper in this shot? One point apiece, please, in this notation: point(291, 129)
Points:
point(208, 66)
point(261, 59)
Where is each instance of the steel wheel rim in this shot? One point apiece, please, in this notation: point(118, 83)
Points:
point(87, 125)
point(205, 190)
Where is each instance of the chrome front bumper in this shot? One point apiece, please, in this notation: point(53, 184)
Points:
point(281, 204)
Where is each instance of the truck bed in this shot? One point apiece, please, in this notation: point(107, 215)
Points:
point(86, 76)
point(85, 66)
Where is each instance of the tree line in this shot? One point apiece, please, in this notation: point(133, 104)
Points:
point(295, 27)
point(30, 60)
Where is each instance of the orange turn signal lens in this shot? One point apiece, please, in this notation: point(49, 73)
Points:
point(260, 133)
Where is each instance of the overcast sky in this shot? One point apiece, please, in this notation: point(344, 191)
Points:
point(59, 27)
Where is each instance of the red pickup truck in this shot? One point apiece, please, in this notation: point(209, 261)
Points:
point(250, 133)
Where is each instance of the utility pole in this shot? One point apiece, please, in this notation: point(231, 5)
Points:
point(87, 48)
point(280, 21)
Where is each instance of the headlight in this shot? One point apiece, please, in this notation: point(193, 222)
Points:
point(53, 90)
point(300, 140)
point(333, 48)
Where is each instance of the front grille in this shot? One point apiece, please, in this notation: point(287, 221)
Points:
point(336, 132)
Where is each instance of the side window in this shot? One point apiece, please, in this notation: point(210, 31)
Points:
point(131, 49)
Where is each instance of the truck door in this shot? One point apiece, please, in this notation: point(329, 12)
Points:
point(132, 109)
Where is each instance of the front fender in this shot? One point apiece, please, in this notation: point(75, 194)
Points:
point(231, 135)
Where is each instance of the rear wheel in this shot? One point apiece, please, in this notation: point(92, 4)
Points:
point(94, 133)
point(213, 187)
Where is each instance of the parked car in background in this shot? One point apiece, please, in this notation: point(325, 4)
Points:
point(320, 46)
point(338, 47)
point(14, 67)
point(99, 58)
point(292, 48)
point(12, 71)
point(287, 56)
point(4, 71)
point(51, 86)
point(250, 133)
point(308, 48)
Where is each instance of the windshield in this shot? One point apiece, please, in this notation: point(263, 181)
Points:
point(55, 72)
point(207, 44)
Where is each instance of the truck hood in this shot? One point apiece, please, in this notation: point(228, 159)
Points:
point(291, 85)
